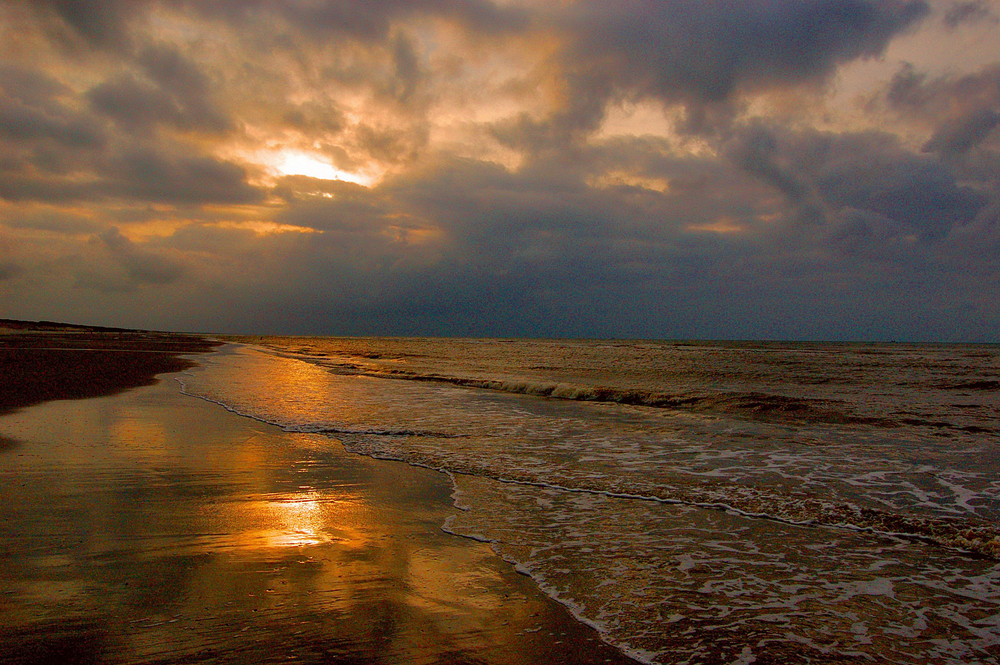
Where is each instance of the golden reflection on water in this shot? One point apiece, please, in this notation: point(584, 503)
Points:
point(306, 390)
point(299, 519)
point(151, 526)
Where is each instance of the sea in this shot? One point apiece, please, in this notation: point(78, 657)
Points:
point(694, 502)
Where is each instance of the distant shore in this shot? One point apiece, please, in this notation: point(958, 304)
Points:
point(43, 360)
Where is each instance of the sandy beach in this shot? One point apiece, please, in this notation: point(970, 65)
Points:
point(142, 525)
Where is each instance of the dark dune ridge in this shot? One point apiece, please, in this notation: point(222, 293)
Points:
point(42, 360)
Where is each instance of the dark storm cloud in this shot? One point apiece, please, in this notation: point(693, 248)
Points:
point(406, 69)
point(134, 175)
point(150, 175)
point(882, 179)
point(703, 51)
point(842, 196)
point(142, 266)
point(44, 139)
point(173, 91)
point(21, 185)
point(493, 214)
point(99, 22)
point(963, 110)
point(907, 89)
point(33, 108)
point(866, 176)
point(964, 133)
point(546, 253)
point(756, 151)
point(914, 92)
point(362, 19)
point(700, 54)
point(20, 123)
point(133, 103)
point(478, 241)
point(968, 12)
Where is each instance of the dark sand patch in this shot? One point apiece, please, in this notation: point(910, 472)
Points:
point(45, 361)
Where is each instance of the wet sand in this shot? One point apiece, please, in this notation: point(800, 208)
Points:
point(147, 526)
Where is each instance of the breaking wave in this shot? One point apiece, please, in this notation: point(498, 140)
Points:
point(750, 404)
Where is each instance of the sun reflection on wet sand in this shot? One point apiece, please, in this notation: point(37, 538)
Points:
point(152, 526)
point(301, 519)
point(296, 520)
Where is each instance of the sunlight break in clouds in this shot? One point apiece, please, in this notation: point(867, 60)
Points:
point(292, 162)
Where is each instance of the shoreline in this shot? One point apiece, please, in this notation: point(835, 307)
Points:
point(198, 534)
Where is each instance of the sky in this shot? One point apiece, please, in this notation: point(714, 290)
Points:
point(721, 169)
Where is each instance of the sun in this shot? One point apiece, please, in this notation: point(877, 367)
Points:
point(295, 162)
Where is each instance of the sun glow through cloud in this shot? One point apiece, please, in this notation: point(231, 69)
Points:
point(265, 228)
point(294, 162)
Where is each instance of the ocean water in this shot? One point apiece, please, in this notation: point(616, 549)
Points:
point(694, 502)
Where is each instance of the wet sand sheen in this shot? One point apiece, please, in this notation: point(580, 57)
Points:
point(152, 527)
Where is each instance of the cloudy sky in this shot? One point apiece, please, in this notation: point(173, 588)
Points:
point(799, 169)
